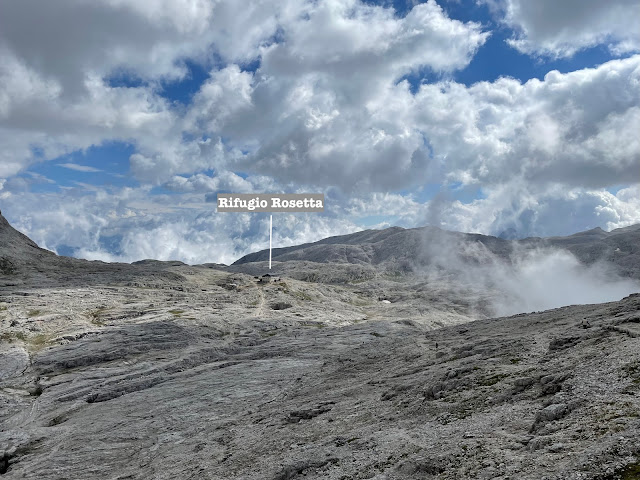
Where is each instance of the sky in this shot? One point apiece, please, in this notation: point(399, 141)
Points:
point(120, 120)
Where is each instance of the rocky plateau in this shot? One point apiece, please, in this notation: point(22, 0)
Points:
point(365, 357)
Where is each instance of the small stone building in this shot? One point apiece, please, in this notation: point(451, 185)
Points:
point(268, 278)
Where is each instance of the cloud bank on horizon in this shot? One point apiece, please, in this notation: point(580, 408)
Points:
point(120, 121)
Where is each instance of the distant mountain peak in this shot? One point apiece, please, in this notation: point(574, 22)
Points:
point(594, 231)
point(16, 249)
point(509, 234)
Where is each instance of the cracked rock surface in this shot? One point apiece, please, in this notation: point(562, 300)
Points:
point(200, 395)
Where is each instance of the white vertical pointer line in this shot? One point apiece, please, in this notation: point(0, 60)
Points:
point(270, 230)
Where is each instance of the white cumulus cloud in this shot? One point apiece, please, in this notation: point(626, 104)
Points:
point(560, 29)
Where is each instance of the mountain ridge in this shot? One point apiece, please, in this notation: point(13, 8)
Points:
point(395, 248)
point(402, 248)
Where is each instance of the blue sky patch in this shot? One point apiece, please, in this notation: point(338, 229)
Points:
point(106, 165)
point(183, 90)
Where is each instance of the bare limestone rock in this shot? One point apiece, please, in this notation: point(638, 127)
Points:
point(159, 371)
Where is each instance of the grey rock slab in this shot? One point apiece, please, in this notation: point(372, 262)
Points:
point(14, 360)
point(159, 370)
point(162, 400)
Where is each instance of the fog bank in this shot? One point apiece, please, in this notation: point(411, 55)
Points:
point(520, 279)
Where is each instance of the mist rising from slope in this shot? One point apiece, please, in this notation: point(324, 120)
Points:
point(544, 279)
point(523, 280)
